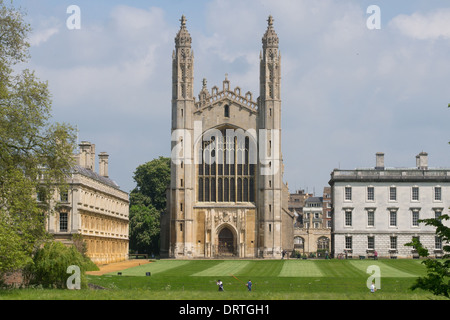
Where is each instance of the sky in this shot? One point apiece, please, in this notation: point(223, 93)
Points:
point(354, 81)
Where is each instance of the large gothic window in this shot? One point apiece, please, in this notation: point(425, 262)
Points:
point(226, 173)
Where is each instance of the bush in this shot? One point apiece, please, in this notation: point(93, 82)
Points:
point(50, 263)
point(296, 254)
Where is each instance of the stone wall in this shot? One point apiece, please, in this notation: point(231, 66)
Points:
point(383, 245)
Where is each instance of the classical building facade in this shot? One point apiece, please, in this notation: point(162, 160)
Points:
point(93, 207)
point(378, 209)
point(227, 196)
point(311, 231)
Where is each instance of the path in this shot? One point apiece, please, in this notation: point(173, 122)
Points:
point(112, 267)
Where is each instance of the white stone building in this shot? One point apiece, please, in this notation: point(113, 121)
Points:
point(378, 209)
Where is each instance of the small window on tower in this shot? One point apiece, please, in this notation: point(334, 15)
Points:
point(227, 111)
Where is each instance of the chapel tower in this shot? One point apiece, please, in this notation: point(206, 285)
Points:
point(181, 185)
point(271, 176)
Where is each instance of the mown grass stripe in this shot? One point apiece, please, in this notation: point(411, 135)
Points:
point(225, 268)
point(262, 268)
point(386, 270)
point(298, 268)
point(415, 267)
point(153, 267)
point(339, 269)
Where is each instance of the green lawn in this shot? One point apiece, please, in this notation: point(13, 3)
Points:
point(272, 280)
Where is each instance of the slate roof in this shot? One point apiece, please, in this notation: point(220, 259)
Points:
point(314, 199)
point(93, 175)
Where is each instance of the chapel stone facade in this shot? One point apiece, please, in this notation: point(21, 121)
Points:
point(227, 197)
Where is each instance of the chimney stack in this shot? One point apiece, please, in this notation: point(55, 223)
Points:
point(87, 155)
point(380, 161)
point(422, 161)
point(103, 164)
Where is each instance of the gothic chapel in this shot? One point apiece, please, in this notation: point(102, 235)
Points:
point(227, 197)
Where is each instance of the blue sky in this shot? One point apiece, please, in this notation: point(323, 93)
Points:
point(347, 91)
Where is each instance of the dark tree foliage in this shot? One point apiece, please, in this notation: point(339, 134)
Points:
point(437, 279)
point(147, 202)
point(144, 229)
point(152, 180)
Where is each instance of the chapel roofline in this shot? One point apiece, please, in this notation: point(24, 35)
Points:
point(207, 98)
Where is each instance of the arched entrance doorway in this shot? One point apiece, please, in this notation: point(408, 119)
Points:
point(226, 242)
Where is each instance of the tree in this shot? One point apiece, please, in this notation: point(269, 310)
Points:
point(50, 263)
point(152, 180)
point(35, 155)
point(438, 272)
point(144, 229)
point(147, 202)
point(437, 279)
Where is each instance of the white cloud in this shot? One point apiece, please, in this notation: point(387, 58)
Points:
point(430, 26)
point(110, 63)
point(42, 36)
point(44, 29)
